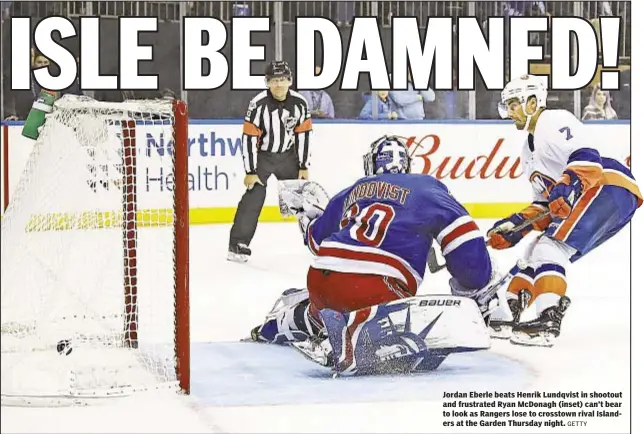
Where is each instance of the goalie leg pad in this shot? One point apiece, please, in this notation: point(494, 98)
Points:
point(290, 320)
point(407, 335)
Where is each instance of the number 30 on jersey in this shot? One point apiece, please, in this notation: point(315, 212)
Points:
point(368, 226)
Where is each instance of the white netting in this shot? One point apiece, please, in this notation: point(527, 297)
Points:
point(78, 267)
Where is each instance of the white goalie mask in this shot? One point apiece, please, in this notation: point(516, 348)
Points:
point(523, 88)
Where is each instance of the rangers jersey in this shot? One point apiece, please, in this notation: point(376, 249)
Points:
point(386, 224)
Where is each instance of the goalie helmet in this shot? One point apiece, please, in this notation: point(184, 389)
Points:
point(522, 89)
point(388, 154)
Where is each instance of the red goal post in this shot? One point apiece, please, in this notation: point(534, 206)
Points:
point(78, 198)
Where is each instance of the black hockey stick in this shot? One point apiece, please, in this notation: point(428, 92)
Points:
point(432, 259)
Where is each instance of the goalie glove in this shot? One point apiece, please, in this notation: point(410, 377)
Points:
point(297, 196)
point(306, 216)
point(301, 208)
point(306, 200)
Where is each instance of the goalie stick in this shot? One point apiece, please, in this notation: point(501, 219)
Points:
point(521, 264)
point(432, 259)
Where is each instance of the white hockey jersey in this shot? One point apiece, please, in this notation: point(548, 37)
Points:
point(559, 144)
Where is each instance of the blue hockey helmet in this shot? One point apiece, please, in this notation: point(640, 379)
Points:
point(388, 154)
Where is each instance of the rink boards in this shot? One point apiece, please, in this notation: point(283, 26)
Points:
point(478, 160)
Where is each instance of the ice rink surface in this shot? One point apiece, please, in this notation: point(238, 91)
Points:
point(245, 387)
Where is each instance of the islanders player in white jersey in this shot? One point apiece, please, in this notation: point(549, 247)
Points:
point(585, 198)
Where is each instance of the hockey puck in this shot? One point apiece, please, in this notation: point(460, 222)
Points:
point(64, 347)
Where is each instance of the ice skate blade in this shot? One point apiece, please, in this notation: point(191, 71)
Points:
point(313, 352)
point(236, 257)
point(500, 332)
point(539, 340)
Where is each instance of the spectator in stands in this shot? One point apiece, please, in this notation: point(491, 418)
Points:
point(385, 107)
point(19, 103)
point(409, 104)
point(599, 106)
point(320, 102)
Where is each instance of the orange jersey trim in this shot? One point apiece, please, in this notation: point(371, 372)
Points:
point(619, 179)
point(577, 212)
point(251, 129)
point(590, 176)
point(305, 126)
point(518, 283)
point(550, 284)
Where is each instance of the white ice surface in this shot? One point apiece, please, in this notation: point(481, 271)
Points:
point(242, 387)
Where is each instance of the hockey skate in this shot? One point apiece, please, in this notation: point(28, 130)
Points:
point(317, 349)
point(239, 252)
point(543, 330)
point(500, 327)
point(255, 336)
point(288, 320)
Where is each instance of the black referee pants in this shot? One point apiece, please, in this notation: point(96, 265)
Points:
point(284, 166)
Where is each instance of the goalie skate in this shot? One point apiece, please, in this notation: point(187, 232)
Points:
point(501, 327)
point(317, 350)
point(544, 330)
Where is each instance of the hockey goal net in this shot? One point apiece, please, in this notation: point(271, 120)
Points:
point(95, 254)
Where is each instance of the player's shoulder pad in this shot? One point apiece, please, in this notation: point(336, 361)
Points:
point(347, 191)
point(337, 201)
point(426, 182)
point(554, 121)
point(558, 117)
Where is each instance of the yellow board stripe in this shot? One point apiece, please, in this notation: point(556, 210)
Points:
point(494, 210)
point(202, 216)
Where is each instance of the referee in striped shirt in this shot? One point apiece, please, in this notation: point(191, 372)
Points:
point(275, 141)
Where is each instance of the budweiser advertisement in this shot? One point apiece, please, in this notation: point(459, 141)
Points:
point(480, 162)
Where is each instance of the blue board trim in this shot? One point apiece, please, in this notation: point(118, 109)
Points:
point(360, 121)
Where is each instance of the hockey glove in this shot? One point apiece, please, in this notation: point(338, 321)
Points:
point(500, 236)
point(565, 194)
point(307, 215)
